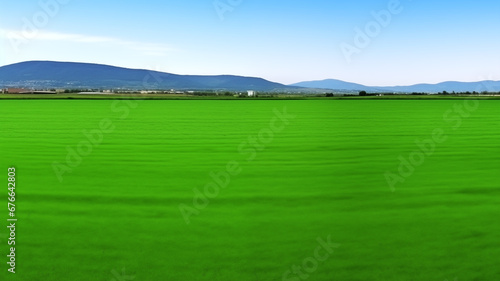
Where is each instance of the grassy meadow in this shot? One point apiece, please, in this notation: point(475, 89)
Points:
point(105, 189)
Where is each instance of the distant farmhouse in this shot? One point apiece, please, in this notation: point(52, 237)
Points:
point(251, 93)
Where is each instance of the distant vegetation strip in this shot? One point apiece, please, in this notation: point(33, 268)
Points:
point(231, 97)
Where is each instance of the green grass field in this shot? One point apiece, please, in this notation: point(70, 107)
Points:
point(100, 185)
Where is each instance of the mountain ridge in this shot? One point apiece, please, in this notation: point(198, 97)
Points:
point(45, 74)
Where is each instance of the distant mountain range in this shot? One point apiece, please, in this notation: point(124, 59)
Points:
point(50, 74)
point(338, 85)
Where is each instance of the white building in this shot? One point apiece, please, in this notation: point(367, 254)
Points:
point(251, 93)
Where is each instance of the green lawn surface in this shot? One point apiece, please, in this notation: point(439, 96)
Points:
point(113, 210)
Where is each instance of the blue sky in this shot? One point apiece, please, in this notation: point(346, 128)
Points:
point(290, 41)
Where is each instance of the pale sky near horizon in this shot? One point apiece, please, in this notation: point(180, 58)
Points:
point(378, 42)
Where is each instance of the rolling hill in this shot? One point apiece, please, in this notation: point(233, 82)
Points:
point(50, 74)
